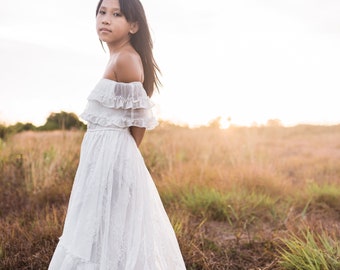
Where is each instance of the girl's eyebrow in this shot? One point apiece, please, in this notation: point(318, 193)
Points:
point(115, 8)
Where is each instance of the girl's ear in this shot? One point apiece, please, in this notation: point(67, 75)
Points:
point(134, 27)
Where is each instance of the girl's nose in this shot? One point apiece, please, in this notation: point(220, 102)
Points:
point(105, 21)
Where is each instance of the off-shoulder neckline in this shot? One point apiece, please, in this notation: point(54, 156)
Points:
point(113, 81)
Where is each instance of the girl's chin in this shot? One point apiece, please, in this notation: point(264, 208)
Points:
point(103, 38)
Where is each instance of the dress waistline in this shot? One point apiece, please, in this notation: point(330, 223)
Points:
point(93, 128)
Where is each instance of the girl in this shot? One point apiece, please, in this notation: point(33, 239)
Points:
point(115, 219)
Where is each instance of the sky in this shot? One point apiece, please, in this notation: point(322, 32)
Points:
point(243, 60)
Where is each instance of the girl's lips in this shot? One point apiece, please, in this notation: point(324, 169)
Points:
point(104, 30)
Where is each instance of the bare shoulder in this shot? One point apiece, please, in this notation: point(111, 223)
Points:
point(129, 67)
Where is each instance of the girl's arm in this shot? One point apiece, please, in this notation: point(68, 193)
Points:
point(128, 68)
point(138, 134)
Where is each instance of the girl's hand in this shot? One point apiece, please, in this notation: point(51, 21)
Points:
point(137, 134)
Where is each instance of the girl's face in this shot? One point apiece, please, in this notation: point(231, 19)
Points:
point(112, 26)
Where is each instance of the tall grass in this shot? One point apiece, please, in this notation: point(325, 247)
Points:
point(233, 196)
point(36, 174)
point(311, 251)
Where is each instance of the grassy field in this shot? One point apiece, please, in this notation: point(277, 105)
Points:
point(240, 198)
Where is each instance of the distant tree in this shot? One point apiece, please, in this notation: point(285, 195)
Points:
point(3, 131)
point(274, 123)
point(28, 126)
point(62, 120)
point(20, 127)
point(6, 131)
point(215, 123)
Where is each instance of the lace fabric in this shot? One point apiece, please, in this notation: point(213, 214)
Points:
point(119, 104)
point(115, 218)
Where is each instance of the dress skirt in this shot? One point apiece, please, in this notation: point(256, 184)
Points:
point(115, 218)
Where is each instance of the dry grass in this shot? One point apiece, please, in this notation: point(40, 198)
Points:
point(232, 195)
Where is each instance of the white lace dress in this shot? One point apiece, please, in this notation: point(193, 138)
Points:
point(115, 218)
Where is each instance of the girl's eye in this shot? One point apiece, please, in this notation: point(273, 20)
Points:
point(102, 12)
point(117, 14)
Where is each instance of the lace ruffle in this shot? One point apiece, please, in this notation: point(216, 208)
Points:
point(114, 104)
point(148, 123)
point(119, 95)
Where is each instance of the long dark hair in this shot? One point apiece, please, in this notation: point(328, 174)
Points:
point(141, 42)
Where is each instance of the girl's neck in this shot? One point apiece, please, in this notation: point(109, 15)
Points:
point(118, 47)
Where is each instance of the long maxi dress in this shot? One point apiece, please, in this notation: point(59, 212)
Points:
point(115, 218)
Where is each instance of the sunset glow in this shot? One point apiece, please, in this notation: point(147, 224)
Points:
point(246, 61)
